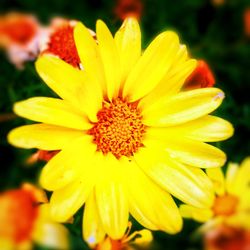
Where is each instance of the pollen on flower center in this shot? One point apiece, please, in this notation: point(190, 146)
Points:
point(225, 205)
point(119, 129)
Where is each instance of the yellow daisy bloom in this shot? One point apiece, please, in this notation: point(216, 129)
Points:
point(128, 136)
point(232, 202)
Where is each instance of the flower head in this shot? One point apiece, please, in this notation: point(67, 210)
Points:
point(24, 220)
point(19, 36)
point(232, 202)
point(129, 137)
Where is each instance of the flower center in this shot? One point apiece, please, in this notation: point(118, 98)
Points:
point(119, 129)
point(225, 205)
point(63, 45)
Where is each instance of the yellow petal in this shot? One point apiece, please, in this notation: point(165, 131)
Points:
point(51, 111)
point(170, 84)
point(53, 236)
point(149, 204)
point(183, 107)
point(188, 184)
point(217, 177)
point(152, 66)
point(207, 129)
point(190, 152)
point(93, 231)
point(180, 58)
point(8, 244)
point(87, 49)
point(48, 233)
point(177, 76)
point(240, 220)
point(198, 214)
point(110, 59)
point(42, 136)
point(241, 182)
point(112, 199)
point(67, 164)
point(128, 41)
point(71, 84)
point(245, 200)
point(231, 173)
point(66, 201)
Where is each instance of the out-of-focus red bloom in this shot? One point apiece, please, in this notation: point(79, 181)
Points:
point(18, 213)
point(227, 238)
point(44, 155)
point(19, 35)
point(25, 219)
point(17, 28)
point(247, 21)
point(218, 2)
point(128, 8)
point(202, 77)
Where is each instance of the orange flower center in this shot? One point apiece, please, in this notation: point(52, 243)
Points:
point(225, 205)
point(119, 129)
point(18, 211)
point(63, 45)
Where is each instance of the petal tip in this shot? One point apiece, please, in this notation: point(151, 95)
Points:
point(10, 138)
point(219, 96)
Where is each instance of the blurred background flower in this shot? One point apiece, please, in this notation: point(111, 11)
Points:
point(228, 219)
point(232, 202)
point(202, 77)
point(128, 8)
point(226, 237)
point(25, 221)
point(19, 36)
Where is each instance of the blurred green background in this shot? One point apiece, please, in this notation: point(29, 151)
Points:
point(212, 32)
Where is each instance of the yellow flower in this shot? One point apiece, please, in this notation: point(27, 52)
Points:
point(128, 137)
point(232, 202)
